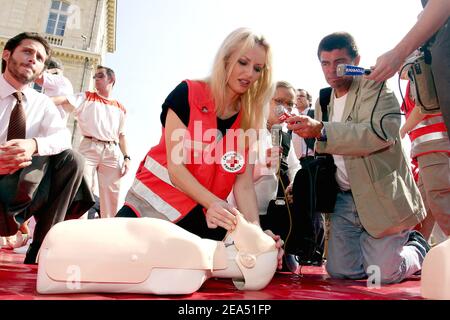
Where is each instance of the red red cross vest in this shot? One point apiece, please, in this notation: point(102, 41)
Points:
point(214, 162)
point(432, 127)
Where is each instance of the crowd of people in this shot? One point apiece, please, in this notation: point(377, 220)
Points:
point(232, 144)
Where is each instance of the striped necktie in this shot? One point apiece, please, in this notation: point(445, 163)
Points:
point(17, 121)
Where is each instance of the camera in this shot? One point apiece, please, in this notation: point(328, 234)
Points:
point(422, 84)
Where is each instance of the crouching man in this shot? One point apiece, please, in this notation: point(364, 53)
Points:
point(378, 203)
point(40, 175)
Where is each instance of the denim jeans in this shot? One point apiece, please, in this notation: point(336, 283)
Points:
point(352, 250)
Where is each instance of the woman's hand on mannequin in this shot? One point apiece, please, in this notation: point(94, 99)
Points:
point(279, 245)
point(221, 214)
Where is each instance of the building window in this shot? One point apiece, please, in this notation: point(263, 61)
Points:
point(57, 18)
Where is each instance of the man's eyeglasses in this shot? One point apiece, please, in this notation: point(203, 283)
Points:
point(289, 104)
point(99, 76)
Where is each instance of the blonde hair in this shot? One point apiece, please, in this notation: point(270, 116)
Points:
point(254, 100)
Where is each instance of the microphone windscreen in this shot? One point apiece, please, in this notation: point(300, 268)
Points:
point(279, 110)
point(275, 132)
point(340, 70)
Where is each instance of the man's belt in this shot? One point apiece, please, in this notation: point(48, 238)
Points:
point(101, 141)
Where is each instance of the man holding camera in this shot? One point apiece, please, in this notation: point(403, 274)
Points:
point(434, 20)
point(378, 202)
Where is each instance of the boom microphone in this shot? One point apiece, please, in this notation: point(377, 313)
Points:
point(275, 132)
point(349, 70)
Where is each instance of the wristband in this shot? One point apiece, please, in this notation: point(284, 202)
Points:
point(323, 134)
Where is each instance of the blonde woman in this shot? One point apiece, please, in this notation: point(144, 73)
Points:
point(203, 151)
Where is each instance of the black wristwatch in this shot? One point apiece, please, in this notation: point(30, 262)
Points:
point(125, 157)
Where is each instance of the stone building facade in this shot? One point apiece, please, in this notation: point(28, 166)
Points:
point(81, 32)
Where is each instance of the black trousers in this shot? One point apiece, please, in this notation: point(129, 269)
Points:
point(51, 189)
point(194, 222)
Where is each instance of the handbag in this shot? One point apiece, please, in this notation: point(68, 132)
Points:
point(315, 191)
point(300, 224)
point(317, 184)
point(279, 212)
point(317, 177)
point(278, 218)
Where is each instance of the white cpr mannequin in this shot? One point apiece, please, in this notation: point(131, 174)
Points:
point(435, 279)
point(147, 255)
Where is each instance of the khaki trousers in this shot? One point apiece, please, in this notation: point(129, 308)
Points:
point(434, 186)
point(103, 160)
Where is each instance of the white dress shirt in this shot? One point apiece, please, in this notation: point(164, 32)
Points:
point(299, 143)
point(44, 122)
point(341, 171)
point(55, 85)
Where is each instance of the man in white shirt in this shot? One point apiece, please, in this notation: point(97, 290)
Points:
point(39, 174)
point(265, 173)
point(102, 123)
point(379, 202)
point(304, 148)
point(54, 83)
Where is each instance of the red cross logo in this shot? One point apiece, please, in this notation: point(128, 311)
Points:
point(232, 161)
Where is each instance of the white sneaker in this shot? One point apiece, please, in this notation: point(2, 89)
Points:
point(16, 241)
point(23, 249)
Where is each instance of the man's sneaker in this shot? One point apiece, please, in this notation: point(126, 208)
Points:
point(290, 261)
point(417, 240)
point(315, 259)
point(16, 241)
